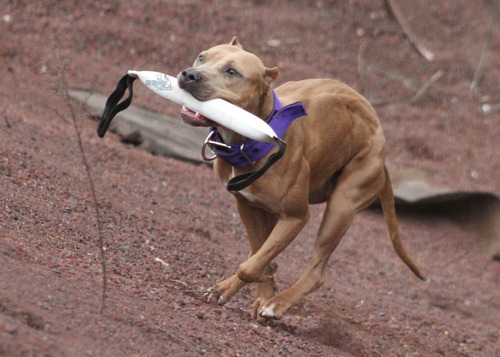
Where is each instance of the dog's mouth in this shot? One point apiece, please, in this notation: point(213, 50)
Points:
point(194, 118)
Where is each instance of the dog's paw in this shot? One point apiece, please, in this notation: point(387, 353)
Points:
point(274, 308)
point(224, 290)
point(267, 311)
point(256, 306)
point(212, 295)
point(265, 291)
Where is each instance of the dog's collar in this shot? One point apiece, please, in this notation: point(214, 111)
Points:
point(250, 151)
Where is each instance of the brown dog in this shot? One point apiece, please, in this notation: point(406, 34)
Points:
point(335, 154)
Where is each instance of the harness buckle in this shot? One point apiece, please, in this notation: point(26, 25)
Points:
point(244, 154)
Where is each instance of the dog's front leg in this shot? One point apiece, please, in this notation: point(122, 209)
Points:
point(259, 224)
point(284, 232)
point(258, 267)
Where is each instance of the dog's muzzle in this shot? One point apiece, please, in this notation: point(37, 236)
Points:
point(189, 77)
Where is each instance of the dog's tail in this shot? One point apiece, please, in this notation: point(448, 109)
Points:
point(388, 207)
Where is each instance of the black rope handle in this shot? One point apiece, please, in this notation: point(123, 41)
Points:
point(242, 181)
point(112, 106)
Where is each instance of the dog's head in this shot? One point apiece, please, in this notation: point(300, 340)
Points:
point(230, 73)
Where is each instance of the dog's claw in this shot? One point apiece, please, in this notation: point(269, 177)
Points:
point(214, 297)
point(210, 295)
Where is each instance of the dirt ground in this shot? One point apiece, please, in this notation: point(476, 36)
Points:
point(171, 231)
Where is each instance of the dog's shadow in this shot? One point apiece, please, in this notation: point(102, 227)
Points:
point(308, 321)
point(332, 330)
point(334, 333)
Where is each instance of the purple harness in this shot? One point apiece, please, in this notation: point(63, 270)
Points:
point(250, 151)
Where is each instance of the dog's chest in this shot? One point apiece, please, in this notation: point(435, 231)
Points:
point(246, 197)
point(250, 195)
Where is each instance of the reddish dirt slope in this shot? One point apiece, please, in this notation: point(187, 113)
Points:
point(155, 207)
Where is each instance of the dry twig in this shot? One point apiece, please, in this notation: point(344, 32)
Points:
point(482, 62)
point(395, 11)
point(57, 113)
point(422, 91)
point(425, 88)
point(102, 257)
point(7, 122)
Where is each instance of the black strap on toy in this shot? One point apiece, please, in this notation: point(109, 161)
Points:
point(112, 106)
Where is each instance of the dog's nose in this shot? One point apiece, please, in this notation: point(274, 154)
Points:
point(189, 76)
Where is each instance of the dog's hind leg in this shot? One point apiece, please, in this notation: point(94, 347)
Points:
point(359, 184)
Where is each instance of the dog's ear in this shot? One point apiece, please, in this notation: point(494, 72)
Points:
point(270, 74)
point(234, 42)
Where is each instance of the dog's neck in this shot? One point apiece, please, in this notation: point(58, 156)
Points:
point(263, 111)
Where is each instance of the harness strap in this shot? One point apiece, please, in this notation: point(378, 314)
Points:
point(242, 181)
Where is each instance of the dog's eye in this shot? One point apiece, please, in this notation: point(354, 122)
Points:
point(200, 58)
point(232, 72)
